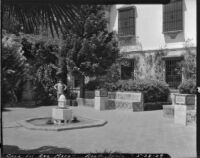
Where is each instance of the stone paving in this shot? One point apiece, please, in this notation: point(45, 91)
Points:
point(126, 132)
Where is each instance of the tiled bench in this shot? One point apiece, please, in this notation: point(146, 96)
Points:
point(126, 101)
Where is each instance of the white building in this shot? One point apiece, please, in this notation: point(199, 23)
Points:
point(148, 33)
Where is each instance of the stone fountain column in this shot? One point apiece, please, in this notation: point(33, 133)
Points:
point(62, 113)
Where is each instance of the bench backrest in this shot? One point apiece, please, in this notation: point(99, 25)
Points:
point(129, 96)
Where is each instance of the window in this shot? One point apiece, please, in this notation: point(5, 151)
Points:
point(126, 22)
point(127, 70)
point(173, 16)
point(173, 74)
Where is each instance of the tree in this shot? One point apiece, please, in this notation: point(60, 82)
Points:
point(91, 50)
point(14, 69)
point(44, 61)
point(57, 16)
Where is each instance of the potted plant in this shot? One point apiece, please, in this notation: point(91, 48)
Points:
point(187, 90)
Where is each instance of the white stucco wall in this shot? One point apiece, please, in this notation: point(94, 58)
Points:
point(149, 25)
point(191, 20)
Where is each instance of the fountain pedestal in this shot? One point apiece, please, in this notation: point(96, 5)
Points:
point(61, 114)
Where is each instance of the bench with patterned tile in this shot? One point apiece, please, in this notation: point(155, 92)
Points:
point(125, 100)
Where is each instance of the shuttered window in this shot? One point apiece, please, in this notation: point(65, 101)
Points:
point(126, 22)
point(173, 16)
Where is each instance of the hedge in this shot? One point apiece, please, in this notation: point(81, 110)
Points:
point(153, 90)
point(155, 105)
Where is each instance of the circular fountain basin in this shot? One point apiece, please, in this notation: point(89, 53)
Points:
point(41, 124)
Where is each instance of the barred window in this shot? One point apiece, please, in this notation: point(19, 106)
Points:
point(126, 22)
point(127, 70)
point(173, 74)
point(173, 16)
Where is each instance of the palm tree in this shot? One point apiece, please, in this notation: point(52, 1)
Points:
point(58, 15)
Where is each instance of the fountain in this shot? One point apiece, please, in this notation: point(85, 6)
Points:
point(61, 118)
point(62, 113)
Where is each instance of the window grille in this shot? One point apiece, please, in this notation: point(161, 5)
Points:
point(173, 16)
point(126, 22)
point(127, 70)
point(173, 74)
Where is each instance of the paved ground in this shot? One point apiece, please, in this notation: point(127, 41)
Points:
point(129, 132)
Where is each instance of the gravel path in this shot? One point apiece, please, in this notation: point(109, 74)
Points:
point(128, 132)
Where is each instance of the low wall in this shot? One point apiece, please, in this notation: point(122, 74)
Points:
point(89, 94)
point(125, 100)
point(85, 102)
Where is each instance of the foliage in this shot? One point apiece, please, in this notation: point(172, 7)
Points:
point(155, 105)
point(14, 69)
point(187, 87)
point(92, 85)
point(92, 49)
point(72, 95)
point(189, 62)
point(42, 69)
point(153, 90)
point(10, 24)
point(113, 73)
point(159, 65)
point(58, 17)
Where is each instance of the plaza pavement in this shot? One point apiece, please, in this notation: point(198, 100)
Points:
point(126, 132)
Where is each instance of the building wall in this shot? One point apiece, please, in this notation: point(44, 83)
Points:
point(150, 44)
point(149, 25)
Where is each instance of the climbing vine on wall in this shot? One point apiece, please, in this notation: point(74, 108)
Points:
point(189, 62)
point(159, 64)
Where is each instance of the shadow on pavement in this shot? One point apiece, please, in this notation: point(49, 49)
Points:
point(6, 110)
point(12, 149)
point(24, 106)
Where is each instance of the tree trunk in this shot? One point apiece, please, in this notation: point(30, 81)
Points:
point(82, 87)
point(62, 72)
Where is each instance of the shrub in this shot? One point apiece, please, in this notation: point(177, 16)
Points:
point(153, 90)
point(14, 70)
point(92, 85)
point(187, 87)
point(72, 95)
point(155, 105)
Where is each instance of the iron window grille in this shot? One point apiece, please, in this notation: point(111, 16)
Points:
point(127, 70)
point(126, 22)
point(173, 16)
point(173, 74)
